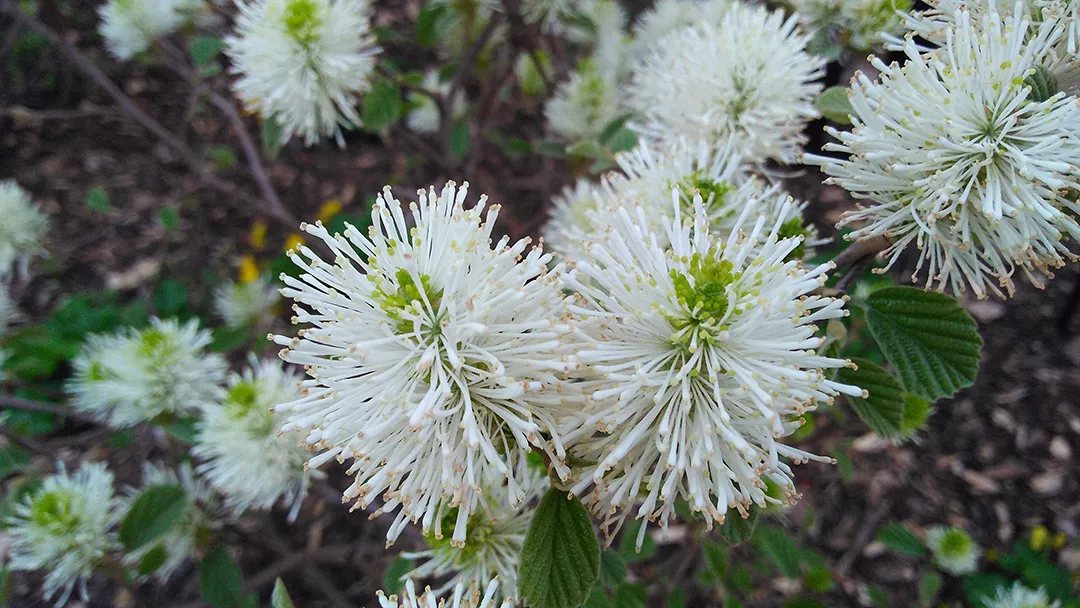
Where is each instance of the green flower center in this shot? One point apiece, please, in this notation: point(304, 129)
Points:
point(242, 403)
point(480, 531)
point(955, 544)
point(791, 229)
point(55, 511)
point(302, 20)
point(703, 292)
point(394, 303)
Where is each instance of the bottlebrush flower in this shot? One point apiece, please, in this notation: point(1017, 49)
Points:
point(180, 542)
point(704, 353)
point(65, 528)
point(302, 63)
point(436, 358)
point(136, 375)
point(1019, 596)
point(492, 549)
point(245, 304)
point(952, 155)
point(22, 230)
point(861, 24)
point(130, 26)
point(246, 458)
point(953, 549)
point(460, 599)
point(585, 104)
point(569, 221)
point(748, 77)
point(668, 16)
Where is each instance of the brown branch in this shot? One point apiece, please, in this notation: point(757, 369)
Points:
point(861, 249)
point(18, 403)
point(127, 105)
point(25, 442)
point(853, 273)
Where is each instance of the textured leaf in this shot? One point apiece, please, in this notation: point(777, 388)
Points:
point(883, 409)
point(900, 539)
point(715, 558)
point(561, 557)
point(931, 341)
point(737, 528)
point(778, 547)
point(628, 544)
point(833, 103)
point(280, 597)
point(152, 514)
point(394, 577)
point(220, 579)
point(205, 49)
point(630, 595)
point(612, 569)
point(428, 24)
point(929, 587)
point(382, 106)
point(152, 560)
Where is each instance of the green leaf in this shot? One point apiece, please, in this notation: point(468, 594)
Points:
point(845, 466)
point(220, 579)
point(382, 106)
point(13, 459)
point(459, 140)
point(833, 103)
point(623, 140)
point(560, 560)
point(597, 598)
point(152, 514)
point(548, 147)
point(715, 558)
point(883, 409)
point(628, 544)
point(152, 560)
point(916, 413)
point(223, 157)
point(205, 50)
point(394, 577)
point(630, 595)
point(429, 24)
point(737, 528)
point(280, 597)
point(184, 430)
point(929, 586)
point(900, 539)
point(273, 137)
point(878, 597)
point(818, 579)
point(169, 218)
point(778, 547)
point(170, 298)
point(613, 128)
point(931, 341)
point(612, 569)
point(98, 200)
point(677, 599)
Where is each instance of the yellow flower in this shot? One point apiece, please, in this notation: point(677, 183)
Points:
point(257, 237)
point(1039, 538)
point(249, 269)
point(293, 241)
point(328, 210)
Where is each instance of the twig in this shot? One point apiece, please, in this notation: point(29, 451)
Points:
point(464, 67)
point(175, 59)
point(25, 442)
point(861, 249)
point(853, 273)
point(862, 537)
point(18, 403)
point(526, 34)
point(126, 104)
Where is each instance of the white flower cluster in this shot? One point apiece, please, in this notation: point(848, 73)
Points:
point(247, 459)
point(1019, 596)
point(461, 598)
point(438, 360)
point(23, 228)
point(245, 304)
point(302, 63)
point(953, 549)
point(133, 376)
point(957, 153)
point(65, 527)
point(424, 117)
point(646, 179)
point(129, 27)
point(861, 24)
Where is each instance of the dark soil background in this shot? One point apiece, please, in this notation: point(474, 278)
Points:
point(998, 459)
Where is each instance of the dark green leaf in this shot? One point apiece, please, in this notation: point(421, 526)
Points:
point(183, 429)
point(394, 577)
point(273, 137)
point(152, 560)
point(1043, 83)
point(597, 599)
point(878, 597)
point(382, 106)
point(981, 587)
point(916, 413)
point(152, 514)
point(630, 595)
point(122, 439)
point(170, 298)
point(818, 579)
point(833, 103)
point(613, 128)
point(588, 149)
point(624, 139)
point(929, 586)
point(900, 539)
point(715, 558)
point(883, 409)
point(228, 339)
point(628, 544)
point(548, 147)
point(737, 528)
point(205, 50)
point(561, 557)
point(677, 599)
point(280, 597)
point(612, 569)
point(98, 200)
point(459, 140)
point(223, 157)
point(13, 459)
point(169, 218)
point(931, 341)
point(429, 24)
point(220, 579)
point(778, 547)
